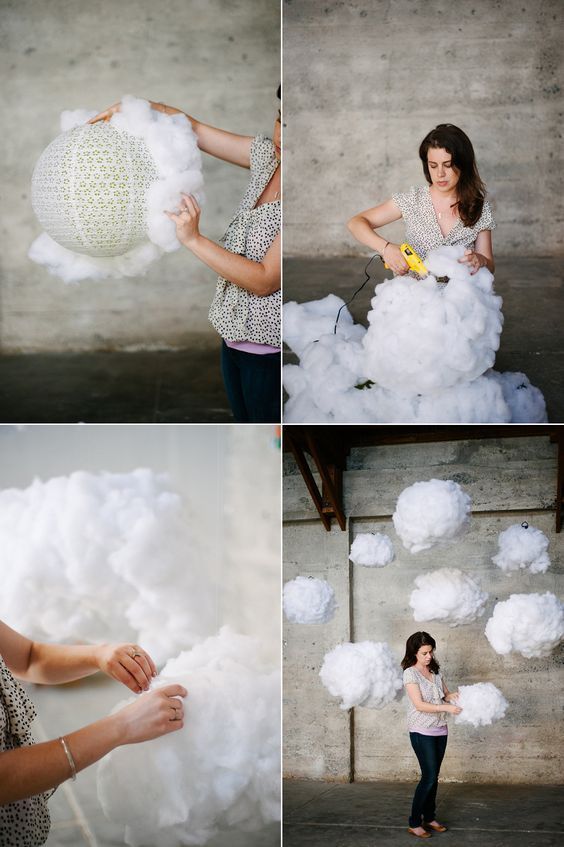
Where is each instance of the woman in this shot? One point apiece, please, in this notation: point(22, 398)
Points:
point(29, 770)
point(246, 308)
point(428, 701)
point(451, 209)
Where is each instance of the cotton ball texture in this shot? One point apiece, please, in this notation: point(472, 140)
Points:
point(522, 547)
point(413, 323)
point(309, 601)
point(429, 513)
point(530, 624)
point(103, 557)
point(219, 774)
point(447, 595)
point(481, 704)
point(100, 190)
point(363, 674)
point(372, 549)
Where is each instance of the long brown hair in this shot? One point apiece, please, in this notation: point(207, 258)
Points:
point(413, 644)
point(471, 191)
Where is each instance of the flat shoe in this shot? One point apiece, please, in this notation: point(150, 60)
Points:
point(417, 834)
point(439, 828)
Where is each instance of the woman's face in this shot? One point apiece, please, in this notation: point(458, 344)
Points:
point(277, 138)
point(444, 175)
point(424, 655)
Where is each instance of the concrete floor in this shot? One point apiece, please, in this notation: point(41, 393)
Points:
point(533, 305)
point(77, 819)
point(321, 814)
point(144, 387)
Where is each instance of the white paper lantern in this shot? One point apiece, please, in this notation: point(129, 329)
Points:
point(89, 189)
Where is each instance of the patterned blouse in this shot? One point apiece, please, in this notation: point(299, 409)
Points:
point(423, 232)
point(238, 314)
point(431, 692)
point(25, 823)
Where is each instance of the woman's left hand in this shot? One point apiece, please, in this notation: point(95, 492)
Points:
point(128, 663)
point(187, 220)
point(475, 261)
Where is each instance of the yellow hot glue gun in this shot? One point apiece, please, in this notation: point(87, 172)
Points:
point(415, 263)
point(412, 259)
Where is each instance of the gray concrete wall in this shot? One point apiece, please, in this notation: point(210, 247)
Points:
point(508, 481)
point(216, 59)
point(364, 83)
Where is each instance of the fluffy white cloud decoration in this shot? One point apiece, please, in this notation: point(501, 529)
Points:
point(100, 191)
point(522, 546)
point(372, 549)
point(447, 595)
point(308, 600)
point(429, 513)
point(424, 359)
point(530, 624)
point(363, 674)
point(220, 773)
point(422, 339)
point(481, 704)
point(102, 557)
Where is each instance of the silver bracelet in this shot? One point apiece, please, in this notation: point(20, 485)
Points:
point(70, 758)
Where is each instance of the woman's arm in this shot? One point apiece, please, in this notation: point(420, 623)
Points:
point(449, 697)
point(414, 694)
point(217, 142)
point(31, 770)
point(260, 278)
point(362, 226)
point(52, 664)
point(482, 254)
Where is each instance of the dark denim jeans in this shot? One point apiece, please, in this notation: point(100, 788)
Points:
point(429, 750)
point(253, 385)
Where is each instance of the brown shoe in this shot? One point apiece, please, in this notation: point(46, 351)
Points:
point(418, 834)
point(436, 827)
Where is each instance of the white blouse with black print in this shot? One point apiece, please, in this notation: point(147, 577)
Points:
point(25, 823)
point(423, 232)
point(432, 691)
point(238, 314)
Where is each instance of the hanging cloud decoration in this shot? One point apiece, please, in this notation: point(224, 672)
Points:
point(447, 595)
point(372, 550)
point(308, 600)
point(100, 191)
point(522, 546)
point(429, 513)
point(364, 674)
point(481, 704)
point(530, 624)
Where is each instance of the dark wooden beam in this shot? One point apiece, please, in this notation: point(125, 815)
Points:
point(297, 450)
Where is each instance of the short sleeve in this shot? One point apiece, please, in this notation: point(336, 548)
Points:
point(409, 676)
point(262, 152)
point(485, 221)
point(405, 201)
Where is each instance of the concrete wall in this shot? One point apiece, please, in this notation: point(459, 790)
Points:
point(216, 59)
point(364, 83)
point(508, 481)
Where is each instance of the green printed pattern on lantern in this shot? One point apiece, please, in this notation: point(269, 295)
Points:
point(89, 190)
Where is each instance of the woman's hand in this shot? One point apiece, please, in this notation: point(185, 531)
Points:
point(127, 663)
point(475, 261)
point(452, 696)
point(153, 714)
point(187, 220)
point(455, 710)
point(105, 116)
point(394, 258)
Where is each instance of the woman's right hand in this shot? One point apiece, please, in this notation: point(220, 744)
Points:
point(155, 713)
point(454, 710)
point(394, 258)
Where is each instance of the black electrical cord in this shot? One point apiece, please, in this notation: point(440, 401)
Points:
point(356, 292)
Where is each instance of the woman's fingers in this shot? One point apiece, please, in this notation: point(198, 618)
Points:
point(190, 203)
point(143, 661)
point(131, 665)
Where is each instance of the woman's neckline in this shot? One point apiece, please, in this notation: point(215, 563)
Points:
point(423, 675)
point(436, 217)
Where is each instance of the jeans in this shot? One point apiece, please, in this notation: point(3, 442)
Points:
point(253, 385)
point(429, 750)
